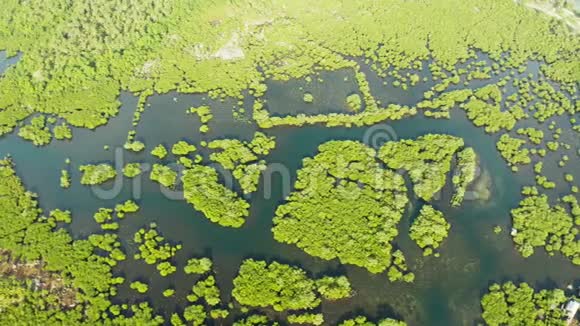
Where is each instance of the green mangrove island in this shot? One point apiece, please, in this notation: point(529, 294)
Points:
point(267, 162)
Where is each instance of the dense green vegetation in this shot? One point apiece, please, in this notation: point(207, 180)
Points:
point(76, 57)
point(255, 320)
point(354, 102)
point(62, 132)
point(139, 286)
point(536, 136)
point(159, 151)
point(464, 174)
point(367, 117)
point(429, 229)
point(484, 110)
point(537, 224)
point(363, 321)
point(510, 149)
point(440, 106)
point(77, 76)
point(131, 170)
point(64, 179)
point(198, 266)
point(309, 319)
point(345, 206)
point(283, 287)
point(427, 160)
point(163, 174)
point(135, 146)
point(152, 248)
point(84, 264)
point(36, 131)
point(182, 148)
point(242, 158)
point(128, 206)
point(510, 304)
point(58, 215)
point(218, 203)
point(334, 288)
point(104, 216)
point(207, 290)
point(97, 174)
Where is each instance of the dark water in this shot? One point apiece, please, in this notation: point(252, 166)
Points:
point(6, 62)
point(447, 289)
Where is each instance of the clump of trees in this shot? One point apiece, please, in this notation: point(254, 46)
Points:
point(131, 170)
point(510, 304)
point(440, 106)
point(139, 286)
point(219, 204)
point(134, 146)
point(367, 117)
point(484, 110)
point(198, 266)
point(97, 174)
point(128, 206)
point(58, 215)
point(104, 216)
point(511, 150)
point(159, 151)
point(398, 270)
point(464, 174)
point(427, 160)
point(204, 114)
point(283, 287)
point(255, 320)
point(354, 102)
point(182, 148)
point(207, 290)
point(154, 250)
point(535, 135)
point(62, 132)
point(83, 265)
point(36, 131)
point(242, 158)
point(65, 181)
point(429, 229)
point(195, 314)
point(537, 224)
point(306, 318)
point(163, 174)
point(334, 288)
point(363, 321)
point(345, 206)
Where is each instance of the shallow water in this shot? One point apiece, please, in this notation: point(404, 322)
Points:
point(447, 289)
point(6, 62)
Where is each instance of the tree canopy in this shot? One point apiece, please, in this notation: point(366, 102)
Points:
point(345, 206)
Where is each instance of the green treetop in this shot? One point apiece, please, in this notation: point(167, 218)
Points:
point(182, 148)
point(159, 151)
point(97, 174)
point(429, 229)
point(345, 206)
